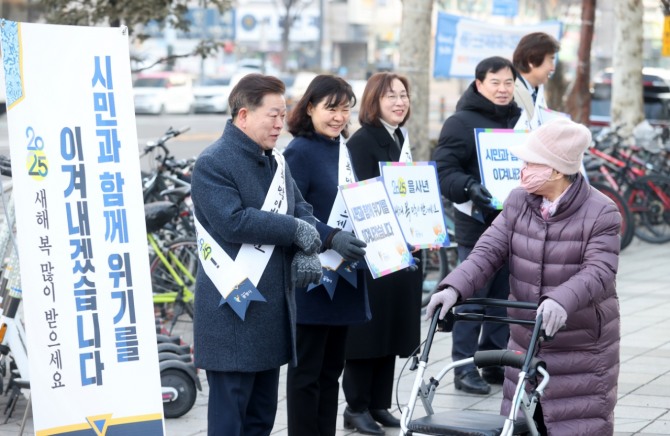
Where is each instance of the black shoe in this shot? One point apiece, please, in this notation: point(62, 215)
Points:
point(472, 383)
point(384, 417)
point(362, 422)
point(493, 375)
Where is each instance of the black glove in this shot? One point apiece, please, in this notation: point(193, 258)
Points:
point(348, 246)
point(305, 269)
point(306, 237)
point(479, 195)
point(416, 265)
point(412, 250)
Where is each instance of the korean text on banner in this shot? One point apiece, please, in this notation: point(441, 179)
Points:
point(415, 196)
point(460, 43)
point(81, 232)
point(500, 170)
point(375, 223)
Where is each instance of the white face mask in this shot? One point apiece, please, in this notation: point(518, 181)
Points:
point(534, 176)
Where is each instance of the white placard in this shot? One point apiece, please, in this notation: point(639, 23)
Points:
point(81, 231)
point(414, 192)
point(499, 169)
point(375, 223)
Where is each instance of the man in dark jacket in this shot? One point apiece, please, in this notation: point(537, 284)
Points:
point(256, 243)
point(487, 103)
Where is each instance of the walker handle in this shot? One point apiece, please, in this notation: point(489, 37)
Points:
point(515, 359)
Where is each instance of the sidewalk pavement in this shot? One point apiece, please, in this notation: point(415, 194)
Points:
point(643, 407)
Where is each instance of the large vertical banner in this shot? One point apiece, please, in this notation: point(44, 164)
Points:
point(460, 43)
point(81, 233)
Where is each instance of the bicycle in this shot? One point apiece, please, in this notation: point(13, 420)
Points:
point(173, 264)
point(646, 195)
point(170, 180)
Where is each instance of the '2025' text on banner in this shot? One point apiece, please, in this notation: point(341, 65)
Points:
point(81, 232)
point(374, 222)
point(415, 196)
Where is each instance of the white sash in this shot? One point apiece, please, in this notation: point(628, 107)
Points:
point(540, 103)
point(251, 260)
point(338, 214)
point(406, 151)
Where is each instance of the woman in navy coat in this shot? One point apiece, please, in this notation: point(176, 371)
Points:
point(318, 160)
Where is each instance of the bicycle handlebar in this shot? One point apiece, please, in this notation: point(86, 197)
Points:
point(169, 134)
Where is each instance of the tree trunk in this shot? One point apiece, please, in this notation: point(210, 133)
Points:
point(415, 44)
point(627, 103)
point(285, 41)
point(578, 103)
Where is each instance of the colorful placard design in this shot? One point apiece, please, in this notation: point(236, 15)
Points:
point(499, 169)
point(375, 223)
point(415, 196)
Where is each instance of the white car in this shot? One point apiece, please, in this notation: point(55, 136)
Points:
point(212, 95)
point(163, 92)
point(301, 81)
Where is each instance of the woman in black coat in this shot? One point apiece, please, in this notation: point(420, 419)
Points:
point(395, 299)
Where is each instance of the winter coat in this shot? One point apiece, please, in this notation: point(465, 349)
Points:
point(314, 165)
point(572, 258)
point(230, 181)
point(395, 299)
point(456, 155)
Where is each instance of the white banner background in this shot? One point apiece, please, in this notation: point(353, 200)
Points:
point(56, 71)
point(461, 43)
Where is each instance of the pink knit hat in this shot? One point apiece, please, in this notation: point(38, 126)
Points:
point(560, 144)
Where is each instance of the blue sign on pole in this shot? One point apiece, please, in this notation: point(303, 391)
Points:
point(445, 39)
point(506, 8)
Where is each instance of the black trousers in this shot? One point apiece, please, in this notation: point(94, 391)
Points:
point(469, 336)
point(242, 403)
point(368, 383)
point(312, 387)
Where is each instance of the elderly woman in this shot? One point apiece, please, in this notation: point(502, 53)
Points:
point(562, 240)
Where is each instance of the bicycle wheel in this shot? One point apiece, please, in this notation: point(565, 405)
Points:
point(627, 220)
point(435, 265)
point(181, 253)
point(649, 200)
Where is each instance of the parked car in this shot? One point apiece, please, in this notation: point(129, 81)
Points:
point(163, 92)
point(212, 95)
point(301, 81)
point(656, 96)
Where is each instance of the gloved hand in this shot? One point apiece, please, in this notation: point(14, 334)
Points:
point(553, 316)
point(306, 237)
point(447, 298)
point(305, 269)
point(417, 261)
point(479, 194)
point(348, 246)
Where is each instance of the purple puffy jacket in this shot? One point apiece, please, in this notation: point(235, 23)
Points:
point(572, 257)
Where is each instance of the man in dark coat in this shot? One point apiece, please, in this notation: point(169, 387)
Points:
point(487, 103)
point(233, 182)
